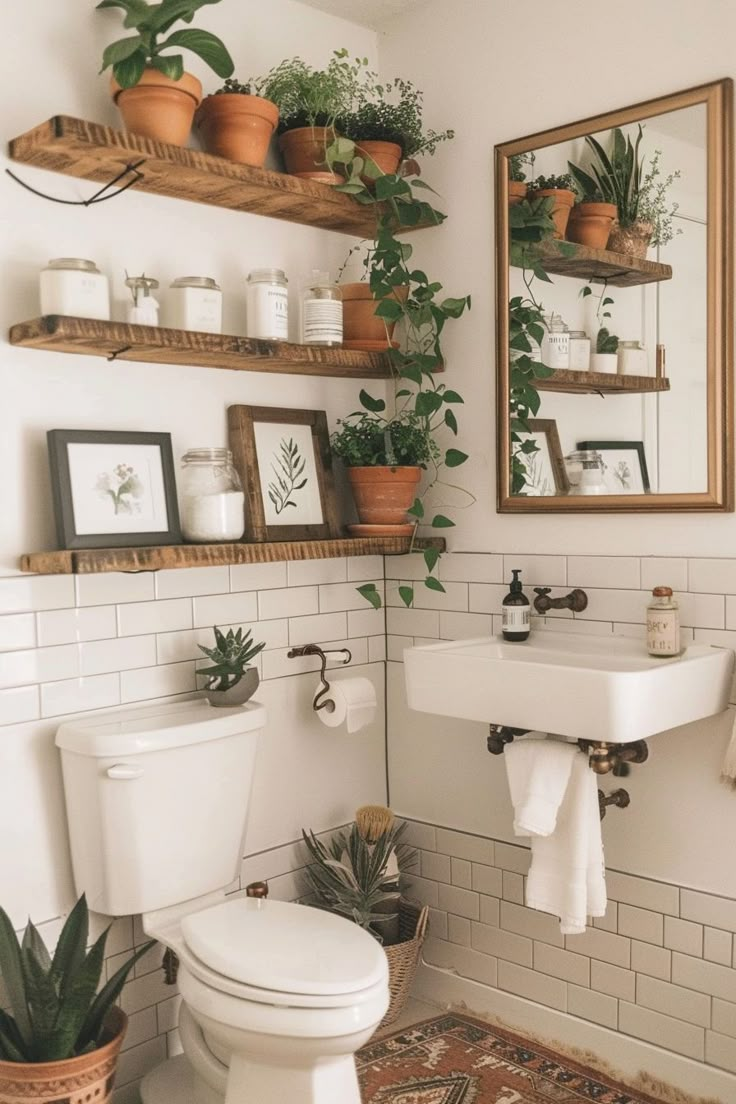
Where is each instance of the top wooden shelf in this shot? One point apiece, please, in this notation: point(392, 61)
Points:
point(617, 269)
point(95, 152)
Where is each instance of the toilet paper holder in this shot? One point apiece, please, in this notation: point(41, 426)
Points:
point(321, 701)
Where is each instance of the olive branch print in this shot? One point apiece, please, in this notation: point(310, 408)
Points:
point(288, 469)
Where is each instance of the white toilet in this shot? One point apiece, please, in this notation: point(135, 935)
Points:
point(277, 997)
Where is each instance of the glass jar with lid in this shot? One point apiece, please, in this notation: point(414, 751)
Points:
point(195, 303)
point(555, 348)
point(632, 359)
point(76, 287)
point(144, 311)
point(267, 304)
point(663, 624)
point(579, 351)
point(321, 310)
point(585, 470)
point(212, 499)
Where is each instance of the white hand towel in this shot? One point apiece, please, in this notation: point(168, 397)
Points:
point(728, 770)
point(567, 874)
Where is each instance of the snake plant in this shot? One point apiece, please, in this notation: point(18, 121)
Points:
point(56, 1011)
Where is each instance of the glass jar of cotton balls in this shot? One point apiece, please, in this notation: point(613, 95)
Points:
point(212, 499)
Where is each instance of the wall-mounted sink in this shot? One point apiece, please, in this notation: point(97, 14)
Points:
point(585, 687)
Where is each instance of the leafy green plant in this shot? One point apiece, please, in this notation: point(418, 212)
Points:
point(517, 161)
point(654, 206)
point(55, 1009)
point(232, 86)
point(308, 97)
point(130, 56)
point(367, 439)
point(605, 341)
point(230, 658)
point(350, 876)
point(552, 183)
point(391, 112)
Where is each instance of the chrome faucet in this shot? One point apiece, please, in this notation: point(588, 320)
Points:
point(576, 600)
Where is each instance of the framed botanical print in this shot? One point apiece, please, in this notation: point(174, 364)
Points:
point(540, 452)
point(624, 465)
point(283, 459)
point(113, 489)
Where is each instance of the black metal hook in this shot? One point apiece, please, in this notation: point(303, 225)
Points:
point(320, 700)
point(99, 196)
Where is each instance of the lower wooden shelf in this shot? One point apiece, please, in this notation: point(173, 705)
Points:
point(92, 561)
point(601, 383)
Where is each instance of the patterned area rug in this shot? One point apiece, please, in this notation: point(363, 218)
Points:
point(454, 1059)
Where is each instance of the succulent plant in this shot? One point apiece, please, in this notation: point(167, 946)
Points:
point(230, 657)
point(55, 1009)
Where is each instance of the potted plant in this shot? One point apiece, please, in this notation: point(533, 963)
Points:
point(560, 190)
point(237, 122)
point(591, 219)
point(153, 93)
point(605, 357)
point(231, 680)
point(59, 1038)
point(517, 176)
point(357, 876)
point(309, 102)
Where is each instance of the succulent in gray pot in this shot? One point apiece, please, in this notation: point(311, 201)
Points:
point(231, 680)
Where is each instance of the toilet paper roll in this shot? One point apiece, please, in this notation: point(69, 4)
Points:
point(355, 704)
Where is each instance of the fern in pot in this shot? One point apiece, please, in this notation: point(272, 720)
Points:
point(231, 680)
point(60, 1038)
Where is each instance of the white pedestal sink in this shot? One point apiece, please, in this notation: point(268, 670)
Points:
point(583, 687)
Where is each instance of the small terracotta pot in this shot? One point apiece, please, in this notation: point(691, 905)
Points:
point(517, 191)
point(563, 201)
point(158, 107)
point(382, 494)
point(304, 153)
point(386, 155)
point(590, 224)
point(88, 1077)
point(631, 240)
point(360, 327)
point(237, 127)
point(239, 694)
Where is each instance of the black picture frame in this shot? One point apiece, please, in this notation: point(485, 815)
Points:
point(58, 441)
point(625, 446)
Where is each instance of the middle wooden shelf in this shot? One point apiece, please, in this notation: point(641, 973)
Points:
point(157, 345)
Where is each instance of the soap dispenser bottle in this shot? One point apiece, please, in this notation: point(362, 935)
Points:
point(517, 619)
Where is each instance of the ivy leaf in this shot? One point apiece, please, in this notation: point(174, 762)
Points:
point(439, 521)
point(376, 406)
point(434, 584)
point(586, 291)
point(370, 593)
point(452, 397)
point(428, 403)
point(406, 593)
point(431, 556)
point(453, 308)
point(417, 510)
point(451, 421)
point(454, 458)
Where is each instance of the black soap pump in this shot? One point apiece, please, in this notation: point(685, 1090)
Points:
point(517, 619)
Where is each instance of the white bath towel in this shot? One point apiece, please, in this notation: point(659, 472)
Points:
point(555, 798)
point(728, 770)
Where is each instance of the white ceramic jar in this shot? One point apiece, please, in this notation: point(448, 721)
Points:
point(195, 303)
point(321, 314)
point(212, 499)
point(76, 287)
point(579, 351)
point(267, 304)
point(555, 350)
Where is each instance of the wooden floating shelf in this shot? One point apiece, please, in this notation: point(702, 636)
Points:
point(603, 383)
point(93, 561)
point(156, 345)
point(95, 152)
point(617, 269)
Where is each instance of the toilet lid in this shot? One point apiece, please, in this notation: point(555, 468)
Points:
point(285, 947)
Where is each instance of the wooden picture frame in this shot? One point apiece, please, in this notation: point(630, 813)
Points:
point(636, 448)
point(114, 478)
point(553, 463)
point(276, 467)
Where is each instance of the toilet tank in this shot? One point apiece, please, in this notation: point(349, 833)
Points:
point(157, 801)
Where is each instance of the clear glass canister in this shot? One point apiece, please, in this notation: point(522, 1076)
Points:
point(632, 359)
point(579, 351)
point(76, 287)
point(212, 499)
point(585, 471)
point(321, 314)
point(555, 343)
point(267, 304)
point(195, 303)
point(663, 624)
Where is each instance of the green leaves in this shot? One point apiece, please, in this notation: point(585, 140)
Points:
point(127, 73)
point(431, 557)
point(171, 66)
point(454, 458)
point(376, 406)
point(130, 56)
point(369, 591)
point(209, 47)
point(120, 50)
point(432, 583)
point(439, 521)
point(230, 657)
point(406, 594)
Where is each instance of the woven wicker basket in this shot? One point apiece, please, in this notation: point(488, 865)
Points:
point(404, 956)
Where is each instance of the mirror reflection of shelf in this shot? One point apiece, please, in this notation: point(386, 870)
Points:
point(617, 269)
point(601, 383)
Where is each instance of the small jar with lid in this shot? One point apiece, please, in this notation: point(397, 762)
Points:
point(632, 359)
point(555, 349)
point(212, 499)
point(586, 472)
point(144, 310)
point(267, 304)
point(195, 303)
point(76, 287)
point(579, 351)
point(321, 314)
point(663, 624)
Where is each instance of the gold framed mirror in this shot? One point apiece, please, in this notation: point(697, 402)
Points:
point(614, 308)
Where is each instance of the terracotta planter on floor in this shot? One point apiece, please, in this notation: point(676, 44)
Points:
point(563, 202)
point(591, 223)
point(360, 326)
point(386, 155)
point(304, 149)
point(632, 240)
point(237, 127)
point(517, 191)
point(158, 107)
point(382, 497)
point(89, 1077)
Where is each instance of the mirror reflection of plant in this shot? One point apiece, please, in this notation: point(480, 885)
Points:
point(517, 161)
point(423, 313)
point(561, 183)
point(605, 341)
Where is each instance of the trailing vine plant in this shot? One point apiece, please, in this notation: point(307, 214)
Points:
point(420, 398)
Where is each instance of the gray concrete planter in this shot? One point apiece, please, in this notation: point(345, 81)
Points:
point(238, 694)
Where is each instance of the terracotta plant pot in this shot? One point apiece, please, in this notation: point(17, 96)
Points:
point(158, 107)
point(383, 495)
point(386, 155)
point(239, 694)
point(237, 127)
point(304, 153)
point(590, 224)
point(517, 191)
point(632, 240)
point(88, 1077)
point(360, 326)
point(563, 202)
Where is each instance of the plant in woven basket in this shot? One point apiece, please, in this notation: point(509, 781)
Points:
point(230, 657)
point(56, 1012)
